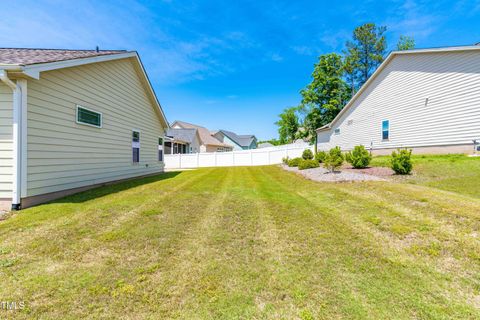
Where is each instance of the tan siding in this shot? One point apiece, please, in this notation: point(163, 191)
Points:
point(6, 131)
point(63, 154)
point(450, 81)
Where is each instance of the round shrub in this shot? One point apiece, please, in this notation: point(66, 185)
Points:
point(401, 161)
point(308, 164)
point(359, 157)
point(294, 162)
point(307, 154)
point(320, 156)
point(334, 159)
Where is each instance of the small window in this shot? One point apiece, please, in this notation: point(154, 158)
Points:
point(337, 131)
point(160, 149)
point(136, 136)
point(89, 117)
point(385, 130)
point(135, 146)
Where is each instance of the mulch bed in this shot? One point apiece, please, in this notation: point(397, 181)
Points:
point(374, 171)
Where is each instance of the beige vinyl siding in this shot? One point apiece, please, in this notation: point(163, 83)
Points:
point(450, 81)
point(63, 154)
point(6, 145)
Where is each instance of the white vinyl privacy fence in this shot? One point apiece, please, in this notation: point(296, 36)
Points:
point(254, 157)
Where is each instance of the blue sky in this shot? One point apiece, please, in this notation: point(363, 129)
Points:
point(231, 64)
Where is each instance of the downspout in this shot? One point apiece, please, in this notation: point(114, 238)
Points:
point(17, 134)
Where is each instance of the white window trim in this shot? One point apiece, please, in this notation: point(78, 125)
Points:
point(388, 130)
point(139, 145)
point(88, 124)
point(162, 149)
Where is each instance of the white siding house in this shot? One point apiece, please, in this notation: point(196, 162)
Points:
point(82, 122)
point(428, 100)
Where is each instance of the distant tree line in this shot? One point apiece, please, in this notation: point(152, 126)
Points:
point(335, 79)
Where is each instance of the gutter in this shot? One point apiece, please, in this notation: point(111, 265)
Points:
point(17, 138)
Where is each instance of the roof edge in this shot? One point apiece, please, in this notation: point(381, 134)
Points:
point(382, 66)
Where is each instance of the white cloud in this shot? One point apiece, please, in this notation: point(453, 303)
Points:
point(276, 57)
point(414, 19)
point(303, 50)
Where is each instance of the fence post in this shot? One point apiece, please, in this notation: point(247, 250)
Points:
point(251, 158)
point(269, 157)
point(233, 158)
point(215, 156)
point(198, 159)
point(180, 160)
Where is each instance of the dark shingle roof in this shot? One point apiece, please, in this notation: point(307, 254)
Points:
point(185, 135)
point(34, 56)
point(242, 140)
point(205, 136)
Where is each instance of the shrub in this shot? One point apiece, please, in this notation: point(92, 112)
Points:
point(285, 160)
point(308, 164)
point(307, 154)
point(359, 157)
point(334, 159)
point(294, 162)
point(401, 161)
point(320, 156)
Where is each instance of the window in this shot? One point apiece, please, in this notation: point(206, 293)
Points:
point(160, 149)
point(337, 131)
point(135, 146)
point(89, 117)
point(385, 130)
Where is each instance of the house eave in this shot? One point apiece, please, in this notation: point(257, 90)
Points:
point(385, 63)
point(34, 71)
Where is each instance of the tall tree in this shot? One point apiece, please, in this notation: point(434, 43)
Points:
point(288, 125)
point(367, 49)
point(350, 67)
point(405, 43)
point(326, 95)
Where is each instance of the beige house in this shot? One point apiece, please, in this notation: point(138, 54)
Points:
point(208, 142)
point(74, 119)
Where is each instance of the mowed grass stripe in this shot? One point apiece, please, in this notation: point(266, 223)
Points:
point(419, 281)
point(248, 242)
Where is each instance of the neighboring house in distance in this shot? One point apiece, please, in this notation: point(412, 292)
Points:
point(74, 119)
point(208, 143)
point(265, 145)
point(427, 100)
point(239, 142)
point(182, 141)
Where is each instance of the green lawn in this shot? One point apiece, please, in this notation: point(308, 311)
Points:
point(252, 242)
point(457, 173)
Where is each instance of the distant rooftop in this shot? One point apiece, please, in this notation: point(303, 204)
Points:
point(205, 135)
point(244, 140)
point(25, 56)
point(185, 135)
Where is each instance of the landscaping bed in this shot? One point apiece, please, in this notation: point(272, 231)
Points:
point(343, 175)
point(382, 172)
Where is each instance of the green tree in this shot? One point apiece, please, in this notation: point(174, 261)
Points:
point(288, 125)
point(405, 43)
point(350, 67)
point(325, 96)
point(275, 142)
point(366, 50)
